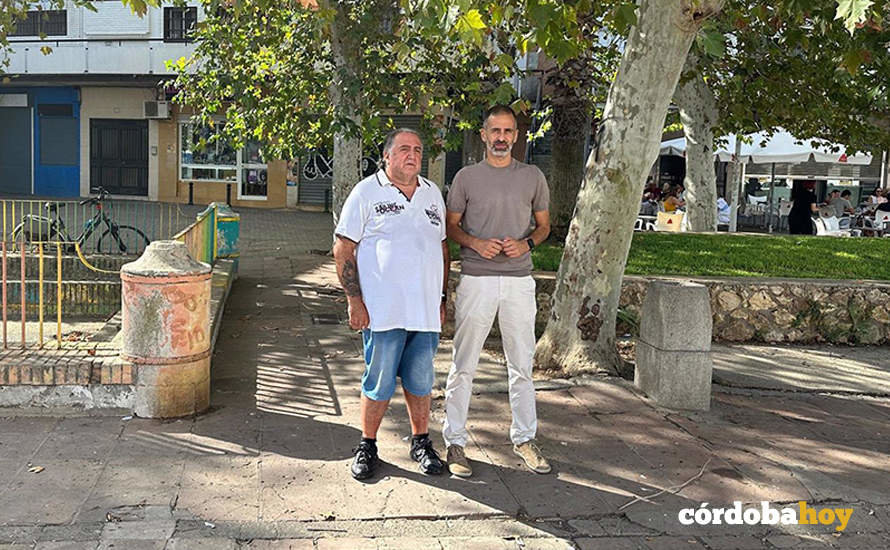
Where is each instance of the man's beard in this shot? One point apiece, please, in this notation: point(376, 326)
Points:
point(499, 153)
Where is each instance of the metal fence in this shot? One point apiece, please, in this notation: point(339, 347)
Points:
point(61, 260)
point(38, 292)
point(109, 226)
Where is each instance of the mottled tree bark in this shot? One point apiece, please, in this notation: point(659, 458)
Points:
point(347, 167)
point(580, 334)
point(571, 122)
point(734, 180)
point(699, 115)
point(346, 51)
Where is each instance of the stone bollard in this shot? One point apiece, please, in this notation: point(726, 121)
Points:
point(674, 347)
point(165, 326)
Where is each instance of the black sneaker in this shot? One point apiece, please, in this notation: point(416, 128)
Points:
point(365, 461)
point(423, 453)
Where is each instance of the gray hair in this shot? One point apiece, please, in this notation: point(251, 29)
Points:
point(497, 110)
point(391, 138)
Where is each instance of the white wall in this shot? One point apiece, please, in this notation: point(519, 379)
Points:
point(120, 103)
point(116, 19)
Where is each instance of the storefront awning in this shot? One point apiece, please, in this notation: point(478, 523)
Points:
point(781, 147)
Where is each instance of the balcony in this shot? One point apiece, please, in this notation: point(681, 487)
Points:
point(95, 56)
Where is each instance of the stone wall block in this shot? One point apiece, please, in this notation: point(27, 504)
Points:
point(676, 316)
point(674, 379)
point(775, 311)
point(673, 352)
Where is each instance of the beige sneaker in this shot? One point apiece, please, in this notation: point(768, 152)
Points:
point(457, 462)
point(533, 457)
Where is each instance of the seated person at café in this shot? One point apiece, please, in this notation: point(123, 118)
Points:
point(672, 202)
point(649, 206)
point(828, 208)
point(652, 189)
point(841, 204)
point(877, 196)
point(681, 192)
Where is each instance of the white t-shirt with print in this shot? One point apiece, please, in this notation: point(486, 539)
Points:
point(399, 251)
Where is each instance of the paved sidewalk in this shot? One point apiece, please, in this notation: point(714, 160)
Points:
point(268, 466)
point(835, 369)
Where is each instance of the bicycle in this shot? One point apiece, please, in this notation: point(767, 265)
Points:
point(36, 229)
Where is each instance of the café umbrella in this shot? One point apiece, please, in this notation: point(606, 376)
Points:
point(771, 148)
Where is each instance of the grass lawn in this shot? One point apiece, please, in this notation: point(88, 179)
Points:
point(727, 255)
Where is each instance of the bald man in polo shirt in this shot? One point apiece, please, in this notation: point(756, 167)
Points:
point(392, 260)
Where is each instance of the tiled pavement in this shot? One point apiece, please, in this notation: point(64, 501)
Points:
point(267, 467)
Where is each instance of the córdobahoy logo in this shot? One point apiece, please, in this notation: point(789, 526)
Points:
point(766, 515)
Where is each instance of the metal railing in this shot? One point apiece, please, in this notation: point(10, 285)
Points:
point(60, 262)
point(112, 226)
point(200, 237)
point(35, 295)
point(145, 56)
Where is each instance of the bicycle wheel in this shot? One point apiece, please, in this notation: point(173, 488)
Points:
point(122, 239)
point(31, 245)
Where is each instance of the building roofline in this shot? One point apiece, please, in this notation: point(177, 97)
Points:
point(92, 79)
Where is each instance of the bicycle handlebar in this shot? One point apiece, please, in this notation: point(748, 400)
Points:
point(103, 194)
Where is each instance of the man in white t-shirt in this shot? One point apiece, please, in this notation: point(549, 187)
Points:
point(392, 260)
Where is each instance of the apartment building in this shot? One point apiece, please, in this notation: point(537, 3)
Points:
point(95, 111)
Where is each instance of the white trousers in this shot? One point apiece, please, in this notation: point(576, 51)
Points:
point(478, 300)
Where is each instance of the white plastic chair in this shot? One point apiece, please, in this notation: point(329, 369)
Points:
point(753, 199)
point(755, 206)
point(644, 223)
point(785, 207)
point(872, 225)
point(829, 227)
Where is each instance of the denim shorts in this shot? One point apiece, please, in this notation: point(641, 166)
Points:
point(398, 352)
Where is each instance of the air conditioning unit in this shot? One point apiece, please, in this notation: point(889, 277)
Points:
point(156, 109)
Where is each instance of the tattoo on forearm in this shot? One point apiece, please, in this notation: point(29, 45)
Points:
point(349, 279)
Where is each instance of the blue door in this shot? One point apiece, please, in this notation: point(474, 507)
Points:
point(15, 151)
point(58, 167)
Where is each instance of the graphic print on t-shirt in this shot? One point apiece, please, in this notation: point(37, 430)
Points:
point(388, 208)
point(433, 214)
